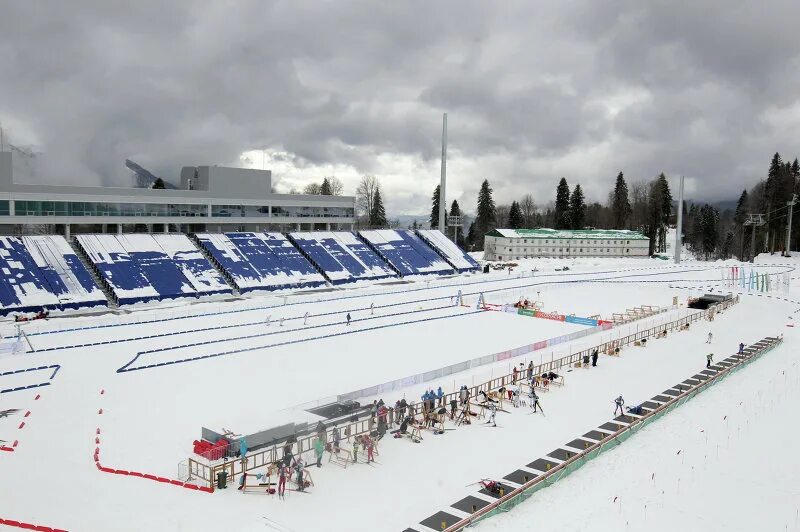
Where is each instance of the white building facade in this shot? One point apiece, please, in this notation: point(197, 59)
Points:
point(211, 199)
point(516, 244)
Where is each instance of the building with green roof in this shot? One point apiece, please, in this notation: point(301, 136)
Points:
point(516, 244)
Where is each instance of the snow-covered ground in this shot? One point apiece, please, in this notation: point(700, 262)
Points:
point(263, 371)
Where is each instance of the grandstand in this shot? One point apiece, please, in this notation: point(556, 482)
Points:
point(406, 252)
point(260, 261)
point(43, 272)
point(341, 257)
point(46, 272)
point(457, 258)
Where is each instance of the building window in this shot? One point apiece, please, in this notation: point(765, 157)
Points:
point(4, 209)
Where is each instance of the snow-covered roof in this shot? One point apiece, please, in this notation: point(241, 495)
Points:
point(569, 234)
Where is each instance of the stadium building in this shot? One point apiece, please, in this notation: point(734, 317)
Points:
point(516, 244)
point(210, 198)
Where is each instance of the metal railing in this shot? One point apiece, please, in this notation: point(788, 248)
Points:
point(259, 459)
point(546, 478)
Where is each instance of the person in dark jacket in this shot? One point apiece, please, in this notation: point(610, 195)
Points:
point(594, 358)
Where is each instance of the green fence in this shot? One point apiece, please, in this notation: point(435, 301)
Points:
point(524, 492)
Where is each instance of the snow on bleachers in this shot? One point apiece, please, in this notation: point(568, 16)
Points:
point(276, 260)
point(231, 260)
point(159, 269)
point(406, 252)
point(123, 275)
point(194, 266)
point(449, 250)
point(68, 278)
point(22, 285)
point(365, 254)
point(341, 256)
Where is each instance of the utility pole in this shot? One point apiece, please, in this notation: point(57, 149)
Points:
point(754, 220)
point(679, 225)
point(442, 195)
point(789, 226)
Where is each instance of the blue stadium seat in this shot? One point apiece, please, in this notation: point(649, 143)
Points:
point(403, 251)
point(23, 287)
point(341, 256)
point(200, 273)
point(122, 274)
point(454, 255)
point(158, 268)
point(231, 261)
point(69, 280)
point(264, 261)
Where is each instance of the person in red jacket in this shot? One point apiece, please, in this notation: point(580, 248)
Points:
point(283, 474)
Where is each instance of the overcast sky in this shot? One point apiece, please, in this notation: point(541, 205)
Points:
point(533, 91)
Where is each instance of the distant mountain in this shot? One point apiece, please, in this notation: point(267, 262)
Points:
point(719, 205)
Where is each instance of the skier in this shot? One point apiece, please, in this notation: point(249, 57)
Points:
point(370, 445)
point(269, 319)
point(281, 321)
point(298, 466)
point(491, 486)
point(318, 448)
point(243, 449)
point(356, 441)
point(348, 319)
point(305, 319)
point(336, 439)
point(242, 481)
point(710, 336)
point(283, 474)
point(620, 402)
point(462, 394)
point(741, 348)
point(492, 414)
point(594, 357)
point(453, 407)
point(530, 369)
point(514, 375)
point(371, 309)
point(535, 402)
point(440, 396)
point(709, 358)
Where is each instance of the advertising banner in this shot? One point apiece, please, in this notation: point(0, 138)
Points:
point(549, 315)
point(581, 321)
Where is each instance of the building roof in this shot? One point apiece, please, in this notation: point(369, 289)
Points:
point(568, 234)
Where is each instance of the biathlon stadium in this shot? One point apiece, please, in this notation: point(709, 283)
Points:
point(170, 381)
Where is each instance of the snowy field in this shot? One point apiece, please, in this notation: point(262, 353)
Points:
point(249, 364)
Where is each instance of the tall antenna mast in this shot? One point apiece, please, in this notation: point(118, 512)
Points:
point(679, 225)
point(442, 195)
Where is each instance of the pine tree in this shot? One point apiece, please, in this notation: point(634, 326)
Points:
point(486, 214)
point(435, 209)
point(739, 217)
point(325, 189)
point(772, 193)
point(515, 218)
point(471, 237)
point(709, 218)
point(727, 246)
point(377, 217)
point(666, 211)
point(621, 206)
point(577, 208)
point(562, 220)
point(455, 210)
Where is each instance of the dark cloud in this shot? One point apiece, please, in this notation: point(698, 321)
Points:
point(533, 90)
